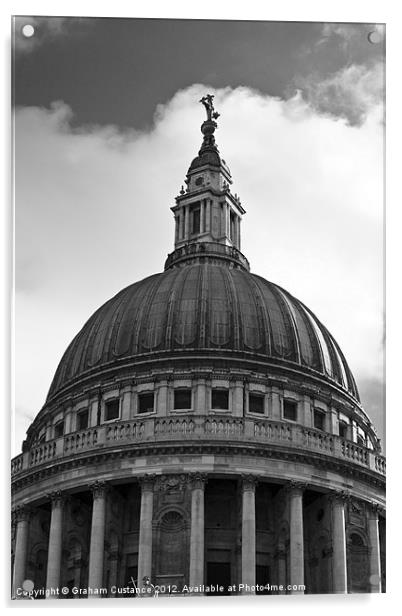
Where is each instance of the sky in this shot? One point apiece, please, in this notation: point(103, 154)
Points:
point(107, 121)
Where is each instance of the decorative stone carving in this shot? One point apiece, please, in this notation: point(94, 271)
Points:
point(57, 498)
point(293, 486)
point(171, 483)
point(197, 480)
point(249, 482)
point(22, 513)
point(98, 489)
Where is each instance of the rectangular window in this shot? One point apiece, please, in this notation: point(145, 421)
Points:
point(145, 403)
point(220, 399)
point(290, 410)
point(196, 220)
point(112, 409)
point(256, 403)
point(82, 419)
point(182, 399)
point(319, 420)
point(343, 429)
point(59, 429)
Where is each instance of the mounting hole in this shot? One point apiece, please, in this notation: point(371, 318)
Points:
point(28, 30)
point(374, 37)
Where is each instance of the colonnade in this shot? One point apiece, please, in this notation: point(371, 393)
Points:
point(197, 483)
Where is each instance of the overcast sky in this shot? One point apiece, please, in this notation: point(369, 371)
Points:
point(107, 122)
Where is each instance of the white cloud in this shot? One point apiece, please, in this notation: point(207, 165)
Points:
point(92, 216)
point(351, 92)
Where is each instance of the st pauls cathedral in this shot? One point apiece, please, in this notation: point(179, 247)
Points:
point(203, 434)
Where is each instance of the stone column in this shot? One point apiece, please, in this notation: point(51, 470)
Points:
point(248, 532)
point(186, 211)
point(296, 547)
point(176, 227)
point(208, 217)
point(97, 547)
point(339, 580)
point(22, 516)
point(202, 216)
point(374, 538)
point(197, 482)
point(145, 538)
point(55, 542)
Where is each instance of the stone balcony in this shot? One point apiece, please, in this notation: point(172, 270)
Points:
point(198, 429)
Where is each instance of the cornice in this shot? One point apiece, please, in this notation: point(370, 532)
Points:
point(268, 451)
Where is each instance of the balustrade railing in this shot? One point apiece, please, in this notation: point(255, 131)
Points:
point(199, 427)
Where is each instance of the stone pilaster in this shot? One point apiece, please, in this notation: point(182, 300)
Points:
point(197, 484)
point(55, 542)
point(97, 547)
point(296, 546)
point(249, 483)
point(339, 574)
point(374, 539)
point(22, 515)
point(145, 537)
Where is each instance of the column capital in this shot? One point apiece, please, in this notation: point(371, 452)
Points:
point(375, 509)
point(98, 489)
point(197, 481)
point(248, 482)
point(57, 498)
point(296, 487)
point(339, 496)
point(22, 513)
point(147, 482)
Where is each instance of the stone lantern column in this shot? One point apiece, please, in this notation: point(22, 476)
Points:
point(374, 538)
point(248, 532)
point(55, 542)
point(339, 582)
point(22, 515)
point(145, 537)
point(296, 546)
point(197, 483)
point(97, 547)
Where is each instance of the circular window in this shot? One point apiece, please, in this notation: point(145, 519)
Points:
point(199, 181)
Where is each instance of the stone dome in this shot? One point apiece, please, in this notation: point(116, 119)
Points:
point(200, 307)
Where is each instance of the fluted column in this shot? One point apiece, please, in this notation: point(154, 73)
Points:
point(296, 546)
point(248, 532)
point(374, 538)
point(97, 547)
point(145, 538)
point(22, 516)
point(339, 581)
point(197, 482)
point(55, 542)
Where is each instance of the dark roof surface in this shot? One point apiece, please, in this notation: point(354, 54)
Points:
point(203, 306)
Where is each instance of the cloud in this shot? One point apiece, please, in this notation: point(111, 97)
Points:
point(45, 29)
point(347, 34)
point(350, 93)
point(93, 215)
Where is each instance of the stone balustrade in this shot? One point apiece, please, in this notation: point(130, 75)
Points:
point(197, 428)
